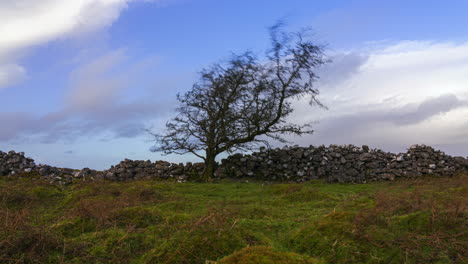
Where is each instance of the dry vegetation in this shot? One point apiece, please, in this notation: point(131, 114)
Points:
point(413, 221)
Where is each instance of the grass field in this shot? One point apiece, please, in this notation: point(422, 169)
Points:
point(411, 221)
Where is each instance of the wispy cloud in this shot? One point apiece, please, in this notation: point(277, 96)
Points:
point(95, 105)
point(96, 84)
point(29, 23)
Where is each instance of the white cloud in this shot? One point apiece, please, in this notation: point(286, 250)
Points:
point(28, 23)
point(406, 93)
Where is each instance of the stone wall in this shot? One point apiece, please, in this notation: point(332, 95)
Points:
point(12, 163)
point(15, 164)
point(346, 164)
point(340, 164)
point(138, 169)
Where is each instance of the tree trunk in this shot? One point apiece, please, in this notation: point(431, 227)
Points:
point(210, 166)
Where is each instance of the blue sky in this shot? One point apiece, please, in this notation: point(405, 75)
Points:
point(81, 80)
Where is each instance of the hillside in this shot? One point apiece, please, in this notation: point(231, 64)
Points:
point(407, 221)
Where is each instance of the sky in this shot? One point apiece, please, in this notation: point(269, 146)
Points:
point(82, 80)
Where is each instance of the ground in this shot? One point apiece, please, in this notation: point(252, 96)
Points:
point(407, 221)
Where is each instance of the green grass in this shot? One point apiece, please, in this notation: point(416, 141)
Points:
point(414, 221)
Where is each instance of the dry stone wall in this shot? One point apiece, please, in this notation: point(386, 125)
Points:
point(138, 169)
point(344, 164)
point(340, 164)
point(16, 165)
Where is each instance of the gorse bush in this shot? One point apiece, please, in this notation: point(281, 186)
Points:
point(413, 221)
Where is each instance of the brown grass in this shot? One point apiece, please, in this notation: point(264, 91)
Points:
point(425, 218)
point(22, 242)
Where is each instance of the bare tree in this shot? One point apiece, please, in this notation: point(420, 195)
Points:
point(235, 103)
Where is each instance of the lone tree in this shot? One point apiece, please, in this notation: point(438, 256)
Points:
point(236, 105)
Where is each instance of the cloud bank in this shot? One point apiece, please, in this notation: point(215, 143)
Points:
point(29, 23)
point(393, 96)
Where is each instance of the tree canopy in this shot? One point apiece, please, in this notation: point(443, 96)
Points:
point(238, 104)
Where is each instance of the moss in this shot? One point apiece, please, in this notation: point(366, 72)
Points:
point(196, 246)
point(208, 237)
point(417, 221)
point(73, 227)
point(112, 245)
point(139, 217)
point(330, 237)
point(45, 192)
point(265, 255)
point(177, 218)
